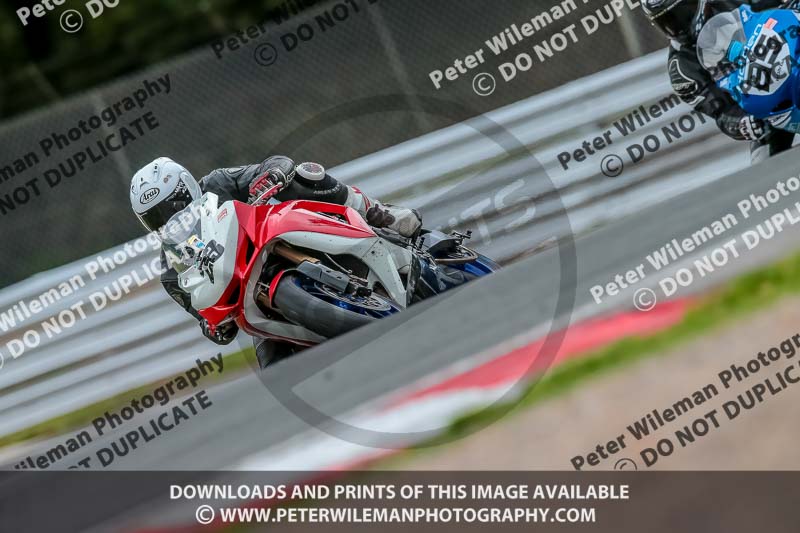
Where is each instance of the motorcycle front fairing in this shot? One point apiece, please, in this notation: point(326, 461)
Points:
point(220, 252)
point(205, 228)
point(235, 232)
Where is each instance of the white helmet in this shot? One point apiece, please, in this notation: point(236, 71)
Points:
point(161, 189)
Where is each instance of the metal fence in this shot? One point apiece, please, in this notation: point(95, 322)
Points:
point(232, 110)
point(448, 174)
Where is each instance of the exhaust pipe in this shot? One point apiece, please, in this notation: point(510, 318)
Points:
point(295, 256)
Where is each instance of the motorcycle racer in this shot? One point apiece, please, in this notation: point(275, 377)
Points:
point(163, 188)
point(681, 21)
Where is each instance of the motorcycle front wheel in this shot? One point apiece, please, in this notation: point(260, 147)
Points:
point(324, 310)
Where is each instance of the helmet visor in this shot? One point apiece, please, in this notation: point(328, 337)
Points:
point(721, 42)
point(158, 215)
point(676, 18)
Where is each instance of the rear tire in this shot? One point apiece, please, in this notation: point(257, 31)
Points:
point(317, 314)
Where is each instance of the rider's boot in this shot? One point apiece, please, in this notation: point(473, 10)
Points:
point(773, 143)
point(407, 222)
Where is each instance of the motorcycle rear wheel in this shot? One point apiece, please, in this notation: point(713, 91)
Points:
point(324, 310)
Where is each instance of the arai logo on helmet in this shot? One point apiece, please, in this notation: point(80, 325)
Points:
point(148, 196)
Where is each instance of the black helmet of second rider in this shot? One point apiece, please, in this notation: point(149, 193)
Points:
point(678, 19)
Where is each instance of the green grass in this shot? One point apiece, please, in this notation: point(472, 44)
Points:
point(740, 297)
point(60, 425)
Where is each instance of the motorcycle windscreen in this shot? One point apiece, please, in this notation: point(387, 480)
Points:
point(720, 44)
point(182, 237)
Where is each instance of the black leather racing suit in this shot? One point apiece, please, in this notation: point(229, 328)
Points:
point(695, 85)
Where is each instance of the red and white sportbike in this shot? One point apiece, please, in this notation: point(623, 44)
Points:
point(303, 271)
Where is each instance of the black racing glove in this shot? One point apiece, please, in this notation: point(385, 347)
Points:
point(751, 128)
point(379, 217)
point(273, 176)
point(224, 334)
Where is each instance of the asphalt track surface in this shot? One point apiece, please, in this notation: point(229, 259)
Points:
point(352, 370)
point(517, 303)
